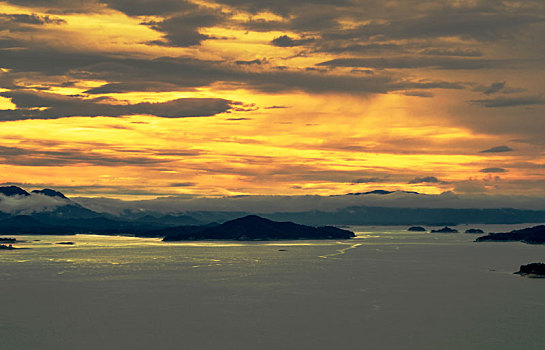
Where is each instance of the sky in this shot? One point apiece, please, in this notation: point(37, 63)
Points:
point(137, 99)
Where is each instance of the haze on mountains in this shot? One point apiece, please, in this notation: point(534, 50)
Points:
point(50, 212)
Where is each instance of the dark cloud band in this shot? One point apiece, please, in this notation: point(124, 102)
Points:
point(35, 105)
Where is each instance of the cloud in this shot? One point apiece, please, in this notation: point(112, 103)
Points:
point(361, 48)
point(426, 179)
point(395, 20)
point(59, 6)
point(527, 165)
point(408, 62)
point(371, 47)
point(493, 170)
point(23, 24)
point(182, 72)
point(365, 180)
point(501, 102)
point(182, 184)
point(446, 21)
point(493, 88)
point(276, 107)
point(24, 205)
point(470, 186)
point(498, 149)
point(496, 87)
point(416, 28)
point(463, 52)
point(150, 8)
point(248, 63)
point(470, 194)
point(133, 74)
point(39, 105)
point(32, 19)
point(144, 86)
point(281, 7)
point(182, 30)
point(286, 41)
point(69, 157)
point(418, 93)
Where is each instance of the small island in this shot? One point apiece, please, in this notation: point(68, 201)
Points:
point(7, 247)
point(474, 230)
point(445, 229)
point(416, 229)
point(254, 228)
point(7, 240)
point(66, 243)
point(532, 270)
point(531, 235)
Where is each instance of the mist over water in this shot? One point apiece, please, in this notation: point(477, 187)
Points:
point(386, 289)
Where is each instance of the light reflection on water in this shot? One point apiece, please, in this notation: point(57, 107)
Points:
point(364, 235)
point(122, 253)
point(93, 257)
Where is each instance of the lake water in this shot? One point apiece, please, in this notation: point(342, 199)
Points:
point(386, 289)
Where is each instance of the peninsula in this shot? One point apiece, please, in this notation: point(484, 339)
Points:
point(531, 235)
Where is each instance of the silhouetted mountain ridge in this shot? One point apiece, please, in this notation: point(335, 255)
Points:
point(52, 212)
point(13, 191)
point(64, 216)
point(50, 193)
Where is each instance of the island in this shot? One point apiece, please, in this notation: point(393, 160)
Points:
point(445, 229)
point(7, 240)
point(474, 230)
point(253, 228)
point(532, 270)
point(416, 229)
point(530, 235)
point(7, 247)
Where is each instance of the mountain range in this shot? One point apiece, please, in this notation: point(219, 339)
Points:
point(48, 211)
point(51, 212)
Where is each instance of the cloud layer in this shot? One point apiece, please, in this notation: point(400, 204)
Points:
point(301, 97)
point(38, 105)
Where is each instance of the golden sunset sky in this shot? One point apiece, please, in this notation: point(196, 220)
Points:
point(136, 99)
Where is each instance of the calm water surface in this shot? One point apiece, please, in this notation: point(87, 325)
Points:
point(386, 289)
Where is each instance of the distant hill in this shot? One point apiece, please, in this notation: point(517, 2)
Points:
point(367, 215)
point(253, 227)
